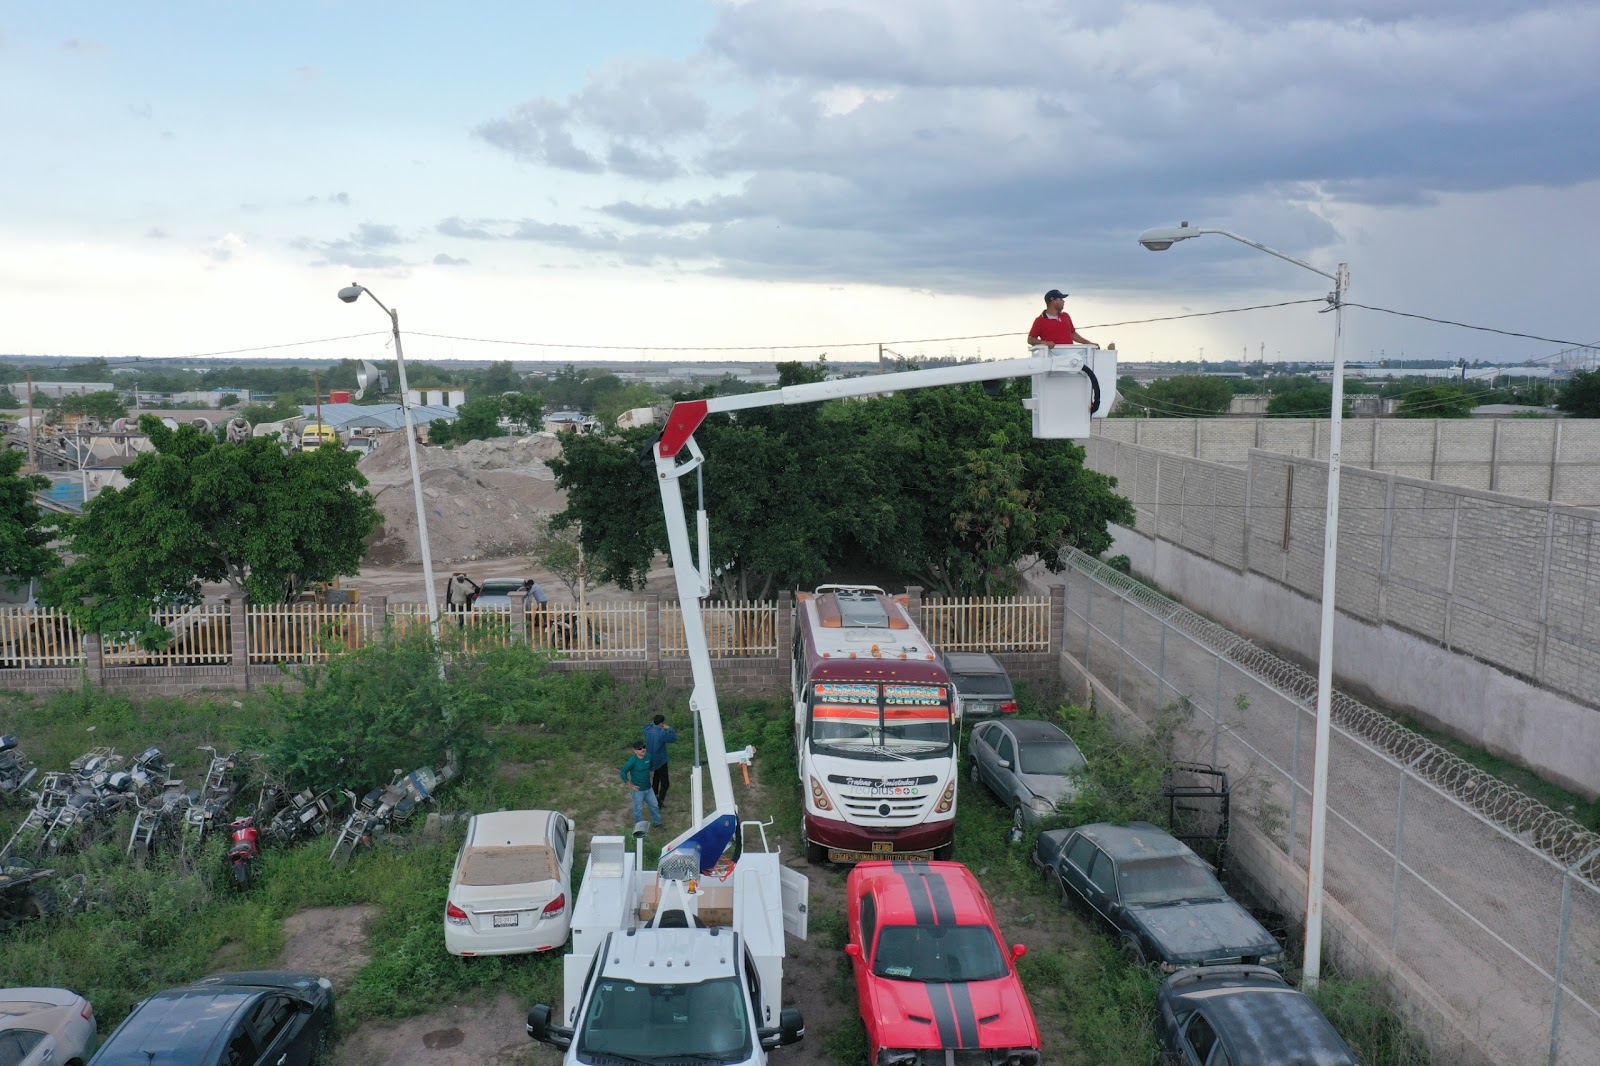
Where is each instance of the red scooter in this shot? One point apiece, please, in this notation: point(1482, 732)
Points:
point(244, 851)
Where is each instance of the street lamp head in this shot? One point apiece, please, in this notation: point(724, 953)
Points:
point(1163, 237)
point(351, 293)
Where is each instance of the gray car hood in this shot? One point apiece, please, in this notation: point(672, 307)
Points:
point(1195, 932)
point(1053, 787)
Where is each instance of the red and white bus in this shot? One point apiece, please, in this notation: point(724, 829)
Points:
point(875, 729)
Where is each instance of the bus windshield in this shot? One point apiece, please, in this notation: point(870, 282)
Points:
point(866, 720)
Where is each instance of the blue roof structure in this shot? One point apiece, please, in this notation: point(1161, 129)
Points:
point(388, 416)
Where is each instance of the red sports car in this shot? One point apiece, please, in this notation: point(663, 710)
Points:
point(932, 972)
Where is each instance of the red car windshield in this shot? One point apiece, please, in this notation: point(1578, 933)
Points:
point(939, 953)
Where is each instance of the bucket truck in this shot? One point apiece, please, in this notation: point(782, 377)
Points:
point(684, 963)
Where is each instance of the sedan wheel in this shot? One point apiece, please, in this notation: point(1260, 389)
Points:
point(1132, 951)
point(972, 772)
point(1019, 820)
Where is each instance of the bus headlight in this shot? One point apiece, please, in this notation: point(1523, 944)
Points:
point(947, 800)
point(819, 795)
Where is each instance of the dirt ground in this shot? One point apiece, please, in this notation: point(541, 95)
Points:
point(328, 941)
point(486, 1032)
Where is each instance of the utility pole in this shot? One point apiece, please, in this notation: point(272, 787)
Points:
point(316, 386)
point(33, 452)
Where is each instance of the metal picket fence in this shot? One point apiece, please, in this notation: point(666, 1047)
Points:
point(743, 629)
point(1016, 623)
point(1488, 896)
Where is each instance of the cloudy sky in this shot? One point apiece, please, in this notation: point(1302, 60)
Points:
point(196, 177)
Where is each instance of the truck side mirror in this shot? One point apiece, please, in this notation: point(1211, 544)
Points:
point(1018, 950)
point(853, 950)
point(791, 1030)
point(540, 1029)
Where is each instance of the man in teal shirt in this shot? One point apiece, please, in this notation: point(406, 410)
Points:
point(636, 775)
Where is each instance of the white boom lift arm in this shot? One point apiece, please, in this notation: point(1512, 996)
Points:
point(1071, 385)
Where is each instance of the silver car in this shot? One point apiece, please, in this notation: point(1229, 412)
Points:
point(40, 1026)
point(1030, 766)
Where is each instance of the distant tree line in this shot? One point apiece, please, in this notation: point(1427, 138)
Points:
point(1293, 396)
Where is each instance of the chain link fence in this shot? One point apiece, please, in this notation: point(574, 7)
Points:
point(1489, 897)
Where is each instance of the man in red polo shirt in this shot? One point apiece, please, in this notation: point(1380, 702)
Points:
point(1055, 325)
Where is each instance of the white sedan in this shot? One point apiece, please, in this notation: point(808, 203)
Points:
point(40, 1026)
point(511, 889)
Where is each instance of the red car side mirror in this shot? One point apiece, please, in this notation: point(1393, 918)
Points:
point(1018, 950)
point(853, 950)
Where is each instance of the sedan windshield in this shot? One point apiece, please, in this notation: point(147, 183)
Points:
point(982, 684)
point(631, 1021)
point(1167, 880)
point(939, 953)
point(1058, 759)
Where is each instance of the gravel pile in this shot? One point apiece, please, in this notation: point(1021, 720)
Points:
point(485, 498)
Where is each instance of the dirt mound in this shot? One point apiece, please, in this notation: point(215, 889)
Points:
point(485, 498)
point(328, 941)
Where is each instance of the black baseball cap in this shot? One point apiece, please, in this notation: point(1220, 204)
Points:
point(1054, 294)
point(638, 745)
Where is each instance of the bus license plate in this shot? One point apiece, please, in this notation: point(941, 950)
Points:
point(503, 920)
point(877, 856)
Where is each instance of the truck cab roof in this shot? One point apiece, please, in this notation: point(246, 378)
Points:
point(672, 956)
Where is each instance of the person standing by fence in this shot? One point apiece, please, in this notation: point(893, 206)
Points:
point(459, 594)
point(636, 775)
point(657, 735)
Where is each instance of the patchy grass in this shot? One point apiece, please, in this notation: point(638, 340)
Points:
point(559, 745)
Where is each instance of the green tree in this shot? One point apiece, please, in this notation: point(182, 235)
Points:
point(88, 370)
point(608, 406)
point(372, 709)
point(25, 534)
point(475, 420)
point(8, 401)
point(196, 510)
point(107, 407)
point(1196, 396)
point(1308, 401)
point(557, 551)
point(498, 378)
point(280, 409)
point(524, 409)
point(947, 485)
point(1437, 401)
point(1581, 396)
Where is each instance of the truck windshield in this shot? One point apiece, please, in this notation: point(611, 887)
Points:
point(864, 720)
point(629, 1021)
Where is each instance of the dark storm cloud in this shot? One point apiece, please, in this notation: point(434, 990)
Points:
point(961, 145)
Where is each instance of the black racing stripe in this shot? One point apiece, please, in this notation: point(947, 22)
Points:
point(917, 889)
point(966, 1016)
point(944, 910)
point(943, 1016)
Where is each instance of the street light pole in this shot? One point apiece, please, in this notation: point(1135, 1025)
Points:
point(350, 294)
point(1159, 240)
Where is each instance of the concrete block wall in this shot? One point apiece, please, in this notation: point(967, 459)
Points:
point(1475, 612)
point(1545, 459)
point(1506, 580)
